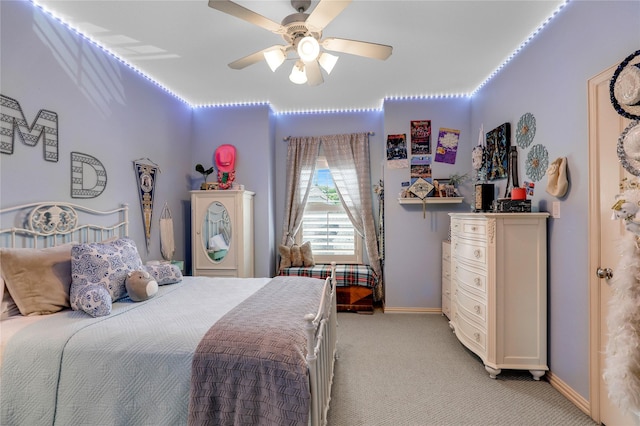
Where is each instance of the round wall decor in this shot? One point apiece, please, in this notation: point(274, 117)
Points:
point(537, 162)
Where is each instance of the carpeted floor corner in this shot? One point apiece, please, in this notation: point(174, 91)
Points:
point(409, 369)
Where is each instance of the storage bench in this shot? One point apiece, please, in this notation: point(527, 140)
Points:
point(355, 283)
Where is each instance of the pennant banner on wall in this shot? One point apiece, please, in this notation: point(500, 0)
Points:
point(146, 181)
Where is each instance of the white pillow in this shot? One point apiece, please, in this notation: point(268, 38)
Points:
point(217, 243)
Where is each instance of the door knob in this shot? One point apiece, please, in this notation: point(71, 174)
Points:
point(606, 273)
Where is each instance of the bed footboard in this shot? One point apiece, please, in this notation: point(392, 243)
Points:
point(321, 351)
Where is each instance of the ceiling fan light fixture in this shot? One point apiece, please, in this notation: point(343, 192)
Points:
point(298, 76)
point(274, 58)
point(327, 61)
point(308, 49)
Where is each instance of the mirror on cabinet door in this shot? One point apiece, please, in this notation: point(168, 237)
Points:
point(216, 231)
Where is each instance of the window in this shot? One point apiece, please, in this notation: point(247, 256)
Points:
point(325, 223)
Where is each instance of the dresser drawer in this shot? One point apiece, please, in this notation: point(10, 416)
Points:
point(470, 334)
point(470, 251)
point(474, 280)
point(470, 228)
point(472, 307)
point(446, 307)
point(446, 269)
point(446, 287)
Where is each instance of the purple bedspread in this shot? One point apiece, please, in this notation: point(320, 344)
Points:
point(250, 367)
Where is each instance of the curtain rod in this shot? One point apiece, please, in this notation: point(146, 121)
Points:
point(289, 137)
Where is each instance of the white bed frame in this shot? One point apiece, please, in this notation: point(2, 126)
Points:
point(48, 224)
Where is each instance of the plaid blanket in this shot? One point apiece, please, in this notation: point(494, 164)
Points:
point(346, 274)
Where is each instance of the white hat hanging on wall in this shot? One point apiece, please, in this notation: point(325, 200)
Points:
point(557, 183)
point(629, 148)
point(625, 87)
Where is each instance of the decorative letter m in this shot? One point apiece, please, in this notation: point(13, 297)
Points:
point(12, 122)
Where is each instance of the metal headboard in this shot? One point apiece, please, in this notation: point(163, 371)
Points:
point(47, 224)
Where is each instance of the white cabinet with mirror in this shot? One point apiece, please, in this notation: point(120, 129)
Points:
point(222, 233)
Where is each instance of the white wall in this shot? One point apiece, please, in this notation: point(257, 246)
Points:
point(549, 79)
point(413, 263)
point(248, 128)
point(104, 109)
point(319, 125)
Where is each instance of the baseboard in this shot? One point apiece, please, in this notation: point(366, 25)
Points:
point(577, 399)
point(390, 310)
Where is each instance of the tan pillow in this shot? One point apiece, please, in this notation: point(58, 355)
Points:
point(8, 306)
point(38, 279)
point(296, 255)
point(307, 254)
point(285, 257)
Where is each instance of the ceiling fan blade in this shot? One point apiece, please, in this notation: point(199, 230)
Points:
point(250, 59)
point(314, 75)
point(325, 12)
point(360, 48)
point(245, 14)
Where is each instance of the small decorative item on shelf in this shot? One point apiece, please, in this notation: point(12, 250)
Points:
point(205, 174)
point(455, 180)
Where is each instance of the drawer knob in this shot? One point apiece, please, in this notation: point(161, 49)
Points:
point(477, 309)
point(474, 228)
point(477, 281)
point(477, 336)
point(477, 253)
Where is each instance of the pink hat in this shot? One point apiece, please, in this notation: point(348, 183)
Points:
point(225, 158)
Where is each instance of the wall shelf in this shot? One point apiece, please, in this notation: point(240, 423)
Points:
point(431, 200)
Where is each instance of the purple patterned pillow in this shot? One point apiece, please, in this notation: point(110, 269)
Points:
point(105, 264)
point(95, 300)
point(164, 273)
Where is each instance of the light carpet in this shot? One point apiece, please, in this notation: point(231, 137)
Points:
point(409, 369)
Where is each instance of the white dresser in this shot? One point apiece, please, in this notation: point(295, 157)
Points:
point(446, 279)
point(222, 233)
point(499, 288)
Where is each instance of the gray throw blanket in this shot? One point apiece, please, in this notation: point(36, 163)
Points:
point(250, 367)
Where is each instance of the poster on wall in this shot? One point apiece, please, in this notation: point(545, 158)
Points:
point(447, 145)
point(420, 168)
point(420, 137)
point(397, 151)
point(146, 183)
point(497, 147)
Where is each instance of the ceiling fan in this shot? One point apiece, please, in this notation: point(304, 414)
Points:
point(302, 32)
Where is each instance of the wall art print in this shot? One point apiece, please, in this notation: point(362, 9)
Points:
point(447, 148)
point(13, 122)
point(420, 137)
point(420, 168)
point(146, 183)
point(397, 151)
point(497, 147)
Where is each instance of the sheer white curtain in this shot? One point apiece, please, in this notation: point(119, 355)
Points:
point(348, 160)
point(301, 164)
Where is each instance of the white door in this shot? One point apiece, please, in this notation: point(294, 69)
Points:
point(605, 126)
